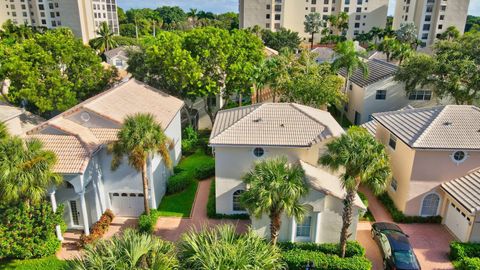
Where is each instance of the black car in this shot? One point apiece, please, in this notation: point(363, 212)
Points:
point(396, 249)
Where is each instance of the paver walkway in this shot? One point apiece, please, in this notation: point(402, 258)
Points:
point(430, 241)
point(71, 243)
point(171, 228)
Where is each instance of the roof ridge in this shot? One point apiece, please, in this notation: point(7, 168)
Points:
point(429, 128)
point(297, 107)
point(238, 120)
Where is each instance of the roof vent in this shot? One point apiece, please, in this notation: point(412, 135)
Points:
point(257, 120)
point(447, 123)
point(282, 125)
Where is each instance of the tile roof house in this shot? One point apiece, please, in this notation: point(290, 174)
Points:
point(79, 137)
point(118, 57)
point(379, 92)
point(428, 148)
point(244, 135)
point(17, 120)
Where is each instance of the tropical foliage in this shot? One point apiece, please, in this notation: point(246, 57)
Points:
point(313, 24)
point(223, 248)
point(130, 251)
point(140, 138)
point(349, 58)
point(275, 187)
point(281, 39)
point(452, 71)
point(364, 161)
point(105, 40)
point(51, 71)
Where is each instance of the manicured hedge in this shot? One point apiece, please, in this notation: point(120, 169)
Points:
point(465, 256)
point(399, 217)
point(212, 212)
point(29, 231)
point(98, 229)
point(297, 259)
point(206, 170)
point(353, 248)
point(146, 223)
point(468, 264)
point(179, 182)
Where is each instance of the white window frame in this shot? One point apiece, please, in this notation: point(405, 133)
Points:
point(233, 201)
point(452, 156)
point(310, 226)
point(438, 206)
point(253, 152)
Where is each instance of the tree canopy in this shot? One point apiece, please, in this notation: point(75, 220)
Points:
point(280, 39)
point(313, 23)
point(51, 71)
point(452, 72)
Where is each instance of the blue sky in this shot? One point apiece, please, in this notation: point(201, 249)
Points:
point(219, 6)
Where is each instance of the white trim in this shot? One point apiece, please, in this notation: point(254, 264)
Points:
point(459, 161)
point(438, 206)
point(231, 201)
point(258, 147)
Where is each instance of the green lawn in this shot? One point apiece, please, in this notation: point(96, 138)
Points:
point(49, 263)
point(180, 204)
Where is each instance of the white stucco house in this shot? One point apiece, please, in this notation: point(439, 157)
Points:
point(379, 92)
point(245, 135)
point(79, 137)
point(118, 57)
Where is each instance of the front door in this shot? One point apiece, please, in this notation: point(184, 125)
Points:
point(76, 219)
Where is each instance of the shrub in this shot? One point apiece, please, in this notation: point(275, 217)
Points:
point(399, 217)
point(223, 248)
point(178, 182)
point(29, 232)
point(206, 170)
point(460, 250)
point(146, 223)
point(189, 140)
point(98, 229)
point(353, 248)
point(297, 259)
point(468, 264)
point(212, 212)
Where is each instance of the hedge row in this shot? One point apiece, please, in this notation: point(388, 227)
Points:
point(353, 248)
point(179, 182)
point(298, 259)
point(146, 223)
point(465, 255)
point(98, 229)
point(29, 231)
point(399, 217)
point(212, 212)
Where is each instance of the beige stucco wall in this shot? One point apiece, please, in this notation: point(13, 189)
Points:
point(401, 160)
point(232, 163)
point(326, 212)
point(14, 126)
point(356, 98)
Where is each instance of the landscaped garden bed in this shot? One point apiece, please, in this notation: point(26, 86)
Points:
point(211, 211)
point(47, 263)
point(399, 217)
point(324, 256)
point(465, 256)
point(98, 229)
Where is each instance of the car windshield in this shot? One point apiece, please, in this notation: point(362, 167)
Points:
point(405, 258)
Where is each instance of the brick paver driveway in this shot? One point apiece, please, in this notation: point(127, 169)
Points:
point(171, 228)
point(430, 241)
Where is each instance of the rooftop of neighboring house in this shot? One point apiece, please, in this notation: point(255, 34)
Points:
point(441, 127)
point(78, 132)
point(26, 119)
point(119, 51)
point(466, 190)
point(273, 124)
point(371, 126)
point(377, 70)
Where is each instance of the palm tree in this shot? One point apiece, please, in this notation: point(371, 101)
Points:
point(313, 22)
point(364, 161)
point(223, 248)
point(26, 170)
point(389, 46)
point(275, 187)
point(451, 33)
point(140, 137)
point(130, 251)
point(402, 51)
point(105, 40)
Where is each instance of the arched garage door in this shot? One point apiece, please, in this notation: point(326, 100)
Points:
point(458, 222)
point(127, 204)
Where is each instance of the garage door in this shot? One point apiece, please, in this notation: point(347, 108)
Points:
point(127, 204)
point(458, 222)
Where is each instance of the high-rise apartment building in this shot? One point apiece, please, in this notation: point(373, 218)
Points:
point(82, 16)
point(431, 17)
point(290, 14)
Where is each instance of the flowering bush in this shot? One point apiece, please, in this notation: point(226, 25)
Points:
point(98, 229)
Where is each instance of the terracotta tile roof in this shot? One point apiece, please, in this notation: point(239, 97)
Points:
point(72, 155)
point(466, 190)
point(441, 127)
point(273, 124)
point(114, 105)
point(377, 70)
point(324, 181)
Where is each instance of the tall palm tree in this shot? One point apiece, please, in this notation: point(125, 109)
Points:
point(275, 187)
point(364, 161)
point(26, 170)
point(140, 137)
point(223, 248)
point(130, 251)
point(105, 40)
